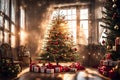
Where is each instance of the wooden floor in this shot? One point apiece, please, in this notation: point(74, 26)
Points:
point(88, 74)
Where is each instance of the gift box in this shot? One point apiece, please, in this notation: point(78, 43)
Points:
point(36, 69)
point(73, 69)
point(32, 66)
point(43, 69)
point(57, 69)
point(49, 70)
point(66, 68)
point(49, 65)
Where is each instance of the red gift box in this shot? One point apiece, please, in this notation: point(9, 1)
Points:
point(58, 68)
point(32, 66)
point(66, 68)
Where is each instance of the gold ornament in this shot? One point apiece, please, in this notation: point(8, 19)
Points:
point(114, 0)
point(114, 6)
point(116, 27)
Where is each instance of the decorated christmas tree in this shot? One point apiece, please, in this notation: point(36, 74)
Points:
point(111, 18)
point(58, 44)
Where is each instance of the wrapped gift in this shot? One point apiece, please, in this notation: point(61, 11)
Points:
point(43, 69)
point(112, 74)
point(49, 65)
point(57, 69)
point(73, 69)
point(36, 68)
point(66, 68)
point(32, 66)
point(49, 70)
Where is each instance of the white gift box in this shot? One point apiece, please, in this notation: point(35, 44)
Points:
point(73, 69)
point(42, 69)
point(49, 70)
point(57, 69)
point(36, 69)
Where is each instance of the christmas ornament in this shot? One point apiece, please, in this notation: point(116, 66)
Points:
point(114, 16)
point(108, 47)
point(114, 6)
point(114, 0)
point(116, 27)
point(103, 42)
point(106, 30)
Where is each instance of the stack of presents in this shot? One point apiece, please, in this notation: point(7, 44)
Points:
point(50, 68)
point(108, 66)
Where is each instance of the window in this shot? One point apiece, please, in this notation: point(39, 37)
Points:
point(13, 8)
point(84, 26)
point(72, 17)
point(13, 28)
point(6, 7)
point(22, 26)
point(6, 37)
point(22, 18)
point(6, 24)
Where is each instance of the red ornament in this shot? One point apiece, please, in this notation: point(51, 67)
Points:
point(103, 42)
point(108, 56)
point(114, 16)
point(75, 49)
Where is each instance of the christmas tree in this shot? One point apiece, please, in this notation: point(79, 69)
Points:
point(58, 43)
point(111, 18)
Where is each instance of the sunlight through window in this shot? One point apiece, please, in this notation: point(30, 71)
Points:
point(84, 26)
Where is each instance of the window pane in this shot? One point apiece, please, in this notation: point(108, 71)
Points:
point(84, 31)
point(13, 29)
point(63, 12)
point(69, 17)
point(84, 14)
point(1, 21)
point(12, 40)
point(69, 12)
point(13, 10)
point(22, 18)
point(6, 24)
point(6, 7)
point(6, 37)
point(74, 11)
point(73, 17)
point(2, 5)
